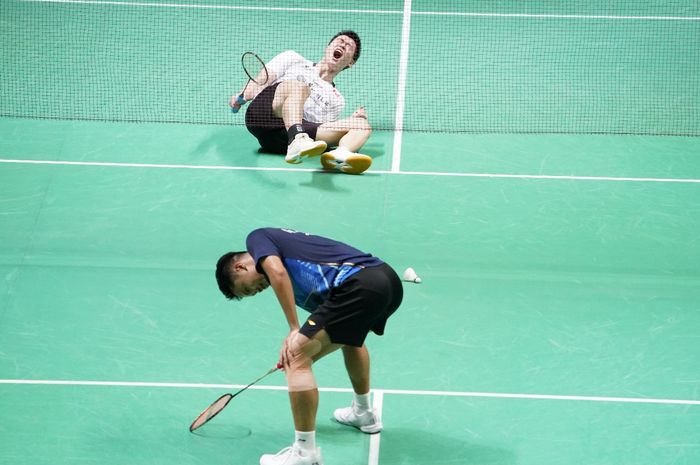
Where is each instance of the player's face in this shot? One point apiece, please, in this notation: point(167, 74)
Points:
point(340, 52)
point(249, 282)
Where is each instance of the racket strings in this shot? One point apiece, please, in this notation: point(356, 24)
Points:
point(219, 404)
point(211, 411)
point(255, 68)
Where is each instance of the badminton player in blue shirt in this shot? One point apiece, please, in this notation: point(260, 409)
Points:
point(347, 292)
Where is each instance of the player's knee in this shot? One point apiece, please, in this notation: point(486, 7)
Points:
point(301, 354)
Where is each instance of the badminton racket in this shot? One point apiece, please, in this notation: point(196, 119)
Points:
point(219, 404)
point(256, 71)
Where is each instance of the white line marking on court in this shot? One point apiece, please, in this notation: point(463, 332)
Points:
point(401, 91)
point(155, 165)
point(392, 12)
point(217, 7)
point(542, 176)
point(496, 395)
point(312, 170)
point(558, 16)
point(375, 439)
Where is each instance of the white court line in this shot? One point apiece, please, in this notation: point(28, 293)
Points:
point(558, 16)
point(496, 395)
point(375, 439)
point(216, 7)
point(155, 165)
point(401, 91)
point(393, 12)
point(312, 170)
point(546, 177)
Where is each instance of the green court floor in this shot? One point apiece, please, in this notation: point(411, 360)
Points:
point(531, 286)
point(558, 317)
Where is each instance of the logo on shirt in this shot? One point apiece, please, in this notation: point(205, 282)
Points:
point(292, 231)
point(311, 322)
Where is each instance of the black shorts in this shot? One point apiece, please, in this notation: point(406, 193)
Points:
point(361, 304)
point(268, 128)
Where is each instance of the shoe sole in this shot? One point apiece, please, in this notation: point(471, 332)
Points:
point(354, 164)
point(371, 429)
point(308, 153)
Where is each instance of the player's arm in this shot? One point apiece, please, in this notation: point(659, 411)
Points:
point(254, 88)
point(275, 69)
point(282, 285)
point(246, 94)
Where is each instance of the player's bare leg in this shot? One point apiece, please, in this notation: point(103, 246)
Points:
point(302, 352)
point(360, 413)
point(349, 134)
point(288, 104)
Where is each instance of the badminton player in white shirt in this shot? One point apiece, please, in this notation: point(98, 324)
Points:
point(296, 111)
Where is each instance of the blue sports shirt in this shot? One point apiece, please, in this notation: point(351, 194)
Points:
point(315, 264)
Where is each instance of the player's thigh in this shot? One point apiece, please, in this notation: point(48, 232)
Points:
point(291, 90)
point(327, 346)
point(313, 348)
point(334, 131)
point(330, 134)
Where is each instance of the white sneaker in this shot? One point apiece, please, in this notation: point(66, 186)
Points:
point(342, 159)
point(303, 146)
point(292, 456)
point(366, 421)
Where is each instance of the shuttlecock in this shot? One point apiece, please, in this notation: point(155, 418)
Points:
point(411, 276)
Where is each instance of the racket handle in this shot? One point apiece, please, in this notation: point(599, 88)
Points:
point(240, 101)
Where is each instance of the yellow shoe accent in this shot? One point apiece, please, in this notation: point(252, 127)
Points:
point(355, 163)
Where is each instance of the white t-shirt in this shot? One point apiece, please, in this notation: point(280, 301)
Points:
point(325, 104)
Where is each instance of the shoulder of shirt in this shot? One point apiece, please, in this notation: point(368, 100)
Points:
point(257, 231)
point(290, 55)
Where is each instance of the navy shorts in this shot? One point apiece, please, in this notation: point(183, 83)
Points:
point(361, 304)
point(268, 128)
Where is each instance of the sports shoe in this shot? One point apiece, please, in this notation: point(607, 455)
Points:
point(343, 160)
point(292, 456)
point(303, 146)
point(366, 421)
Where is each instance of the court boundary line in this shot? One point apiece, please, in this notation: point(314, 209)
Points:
point(215, 7)
point(375, 439)
point(369, 11)
point(557, 16)
point(401, 86)
point(383, 391)
point(318, 170)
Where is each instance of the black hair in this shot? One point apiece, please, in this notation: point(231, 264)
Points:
point(353, 35)
point(224, 274)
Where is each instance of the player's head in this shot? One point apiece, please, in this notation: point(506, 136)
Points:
point(237, 276)
point(344, 48)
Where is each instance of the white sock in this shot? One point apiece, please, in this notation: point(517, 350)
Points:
point(305, 440)
point(361, 402)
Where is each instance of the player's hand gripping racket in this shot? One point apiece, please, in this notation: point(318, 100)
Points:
point(220, 403)
point(255, 68)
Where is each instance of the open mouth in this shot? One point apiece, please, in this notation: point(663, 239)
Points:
point(338, 53)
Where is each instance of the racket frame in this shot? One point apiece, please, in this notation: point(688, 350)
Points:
point(231, 396)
